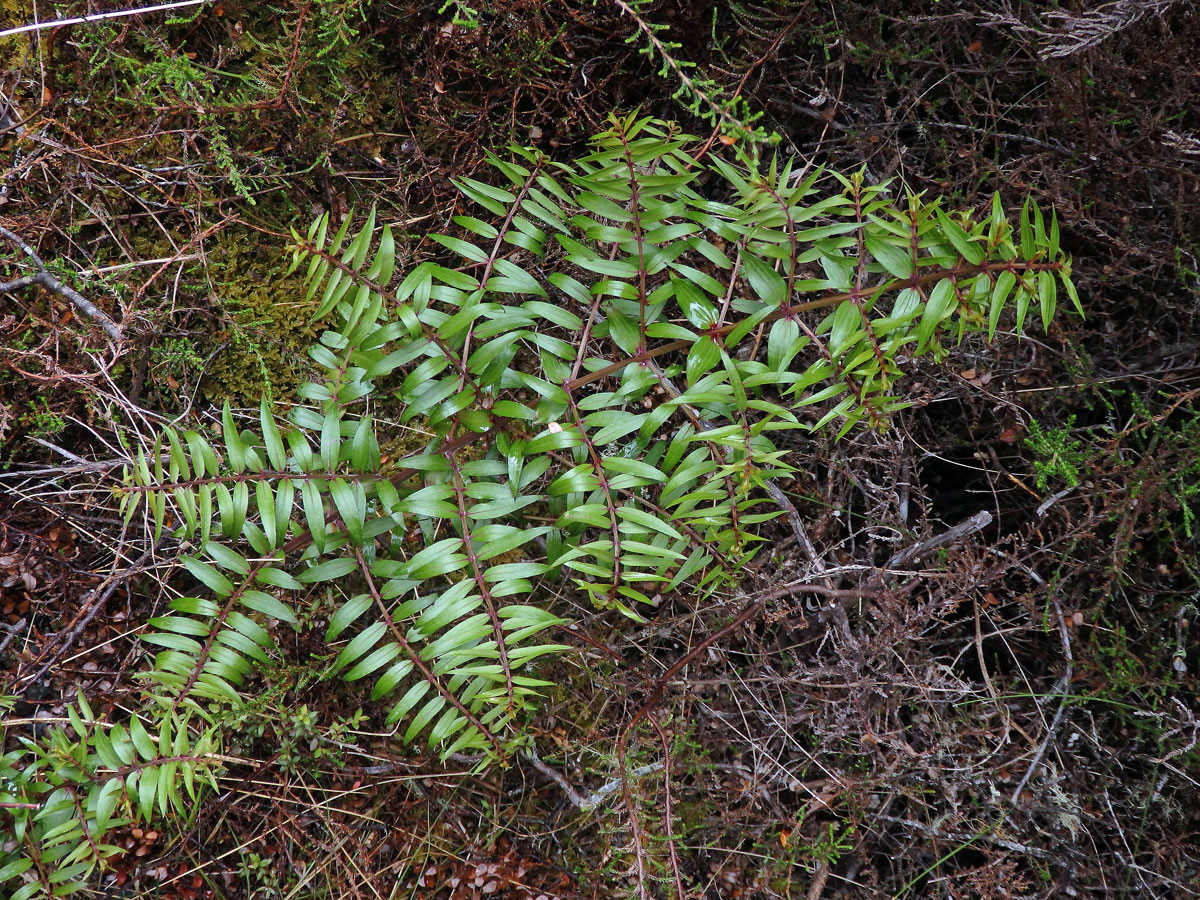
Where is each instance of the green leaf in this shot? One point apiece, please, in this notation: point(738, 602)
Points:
point(327, 571)
point(1000, 291)
point(493, 199)
point(347, 614)
point(271, 437)
point(331, 438)
point(15, 868)
point(514, 570)
point(430, 502)
point(208, 576)
point(228, 559)
point(314, 514)
point(411, 697)
point(624, 331)
point(896, 261)
point(362, 642)
point(278, 578)
point(1071, 291)
point(235, 452)
point(1047, 296)
point(558, 438)
point(106, 803)
point(554, 314)
point(635, 467)
point(696, 306)
point(392, 677)
point(174, 642)
point(1023, 297)
point(461, 247)
point(1028, 247)
point(351, 502)
point(266, 510)
point(495, 540)
point(476, 226)
point(374, 661)
point(440, 558)
point(643, 518)
point(703, 355)
point(782, 343)
point(177, 625)
point(844, 324)
point(970, 251)
point(270, 606)
point(423, 718)
point(940, 304)
point(145, 745)
point(768, 284)
point(385, 259)
point(593, 514)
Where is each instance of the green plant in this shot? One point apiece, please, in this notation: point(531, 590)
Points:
point(168, 76)
point(221, 72)
point(832, 845)
point(258, 874)
point(41, 420)
point(1175, 450)
point(62, 793)
point(1059, 456)
point(826, 849)
point(465, 15)
point(176, 354)
point(699, 94)
point(600, 372)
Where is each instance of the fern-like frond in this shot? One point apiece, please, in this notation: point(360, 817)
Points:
point(602, 357)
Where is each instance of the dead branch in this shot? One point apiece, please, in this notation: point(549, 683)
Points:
point(1063, 688)
point(1063, 34)
point(44, 278)
point(977, 522)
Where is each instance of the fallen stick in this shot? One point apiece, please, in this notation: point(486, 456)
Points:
point(977, 522)
point(44, 278)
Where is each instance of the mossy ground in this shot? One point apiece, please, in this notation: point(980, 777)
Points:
point(266, 325)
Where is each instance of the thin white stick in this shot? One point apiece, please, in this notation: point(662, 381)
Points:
point(96, 17)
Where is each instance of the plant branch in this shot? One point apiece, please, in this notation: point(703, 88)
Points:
point(420, 664)
point(485, 591)
point(783, 312)
point(47, 280)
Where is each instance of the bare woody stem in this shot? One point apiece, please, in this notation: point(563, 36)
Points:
point(44, 278)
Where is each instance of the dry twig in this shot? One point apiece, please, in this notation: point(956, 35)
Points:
point(1064, 34)
point(44, 278)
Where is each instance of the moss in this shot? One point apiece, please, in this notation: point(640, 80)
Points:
point(14, 50)
point(268, 326)
point(18, 98)
point(396, 446)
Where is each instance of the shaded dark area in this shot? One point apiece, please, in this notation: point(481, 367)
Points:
point(1022, 724)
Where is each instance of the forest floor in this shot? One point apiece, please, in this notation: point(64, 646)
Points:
point(1021, 724)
